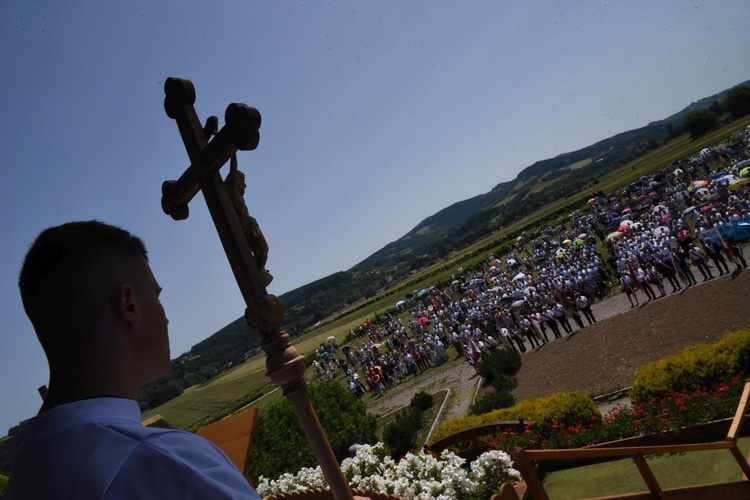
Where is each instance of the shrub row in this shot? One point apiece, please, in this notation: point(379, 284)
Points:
point(693, 368)
point(566, 407)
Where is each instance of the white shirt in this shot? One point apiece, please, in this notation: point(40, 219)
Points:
point(98, 449)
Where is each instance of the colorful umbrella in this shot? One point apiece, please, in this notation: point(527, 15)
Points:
point(578, 241)
point(613, 236)
point(702, 191)
point(583, 236)
point(698, 184)
point(565, 242)
point(665, 217)
point(592, 200)
point(738, 184)
point(744, 172)
point(688, 210)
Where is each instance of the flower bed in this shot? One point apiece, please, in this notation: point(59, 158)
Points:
point(415, 476)
point(447, 476)
point(657, 416)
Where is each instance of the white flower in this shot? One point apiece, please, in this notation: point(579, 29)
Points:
point(415, 477)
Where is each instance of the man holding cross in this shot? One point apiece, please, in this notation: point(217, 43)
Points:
point(94, 304)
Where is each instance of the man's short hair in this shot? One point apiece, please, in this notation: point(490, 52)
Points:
point(63, 255)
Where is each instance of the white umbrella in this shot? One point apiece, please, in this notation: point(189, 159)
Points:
point(519, 276)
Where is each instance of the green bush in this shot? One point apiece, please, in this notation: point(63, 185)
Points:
point(567, 408)
point(279, 444)
point(3, 482)
point(422, 400)
point(499, 362)
point(693, 368)
point(401, 435)
point(492, 401)
point(505, 383)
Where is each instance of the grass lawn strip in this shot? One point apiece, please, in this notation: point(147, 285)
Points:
point(618, 477)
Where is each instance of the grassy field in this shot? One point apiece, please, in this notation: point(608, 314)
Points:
point(198, 402)
point(621, 476)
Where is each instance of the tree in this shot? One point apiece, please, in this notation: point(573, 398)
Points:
point(279, 444)
point(737, 101)
point(699, 122)
point(716, 108)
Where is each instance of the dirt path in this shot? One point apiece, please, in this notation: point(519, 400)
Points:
point(607, 354)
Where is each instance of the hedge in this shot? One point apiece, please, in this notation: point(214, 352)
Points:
point(567, 407)
point(693, 368)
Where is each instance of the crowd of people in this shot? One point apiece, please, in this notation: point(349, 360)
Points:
point(658, 231)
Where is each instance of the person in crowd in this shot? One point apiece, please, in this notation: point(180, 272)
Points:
point(583, 305)
point(713, 251)
point(699, 260)
point(736, 252)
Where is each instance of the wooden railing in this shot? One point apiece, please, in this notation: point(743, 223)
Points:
point(473, 436)
point(525, 461)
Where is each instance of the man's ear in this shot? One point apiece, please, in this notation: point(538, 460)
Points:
point(127, 304)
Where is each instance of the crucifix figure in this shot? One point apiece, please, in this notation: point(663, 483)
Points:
point(244, 245)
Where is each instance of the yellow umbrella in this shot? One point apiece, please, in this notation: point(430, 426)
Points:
point(738, 184)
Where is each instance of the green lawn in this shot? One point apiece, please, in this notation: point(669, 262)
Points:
point(621, 476)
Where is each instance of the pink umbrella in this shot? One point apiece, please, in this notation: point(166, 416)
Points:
point(665, 217)
point(422, 320)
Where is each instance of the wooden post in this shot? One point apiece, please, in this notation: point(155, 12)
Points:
point(285, 366)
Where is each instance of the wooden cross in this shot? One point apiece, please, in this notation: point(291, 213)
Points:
point(208, 150)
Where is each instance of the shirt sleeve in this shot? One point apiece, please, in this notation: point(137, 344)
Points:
point(179, 465)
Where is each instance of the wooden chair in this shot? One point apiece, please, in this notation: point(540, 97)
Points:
point(234, 435)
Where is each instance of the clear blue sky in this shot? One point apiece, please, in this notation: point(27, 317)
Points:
point(375, 116)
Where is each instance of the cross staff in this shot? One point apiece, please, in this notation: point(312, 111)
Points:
point(207, 155)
